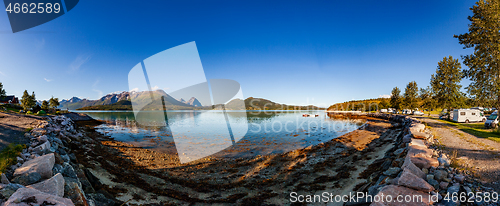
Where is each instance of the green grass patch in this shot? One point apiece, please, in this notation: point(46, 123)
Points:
point(28, 129)
point(476, 129)
point(8, 156)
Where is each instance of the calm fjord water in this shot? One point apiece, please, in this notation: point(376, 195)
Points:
point(268, 131)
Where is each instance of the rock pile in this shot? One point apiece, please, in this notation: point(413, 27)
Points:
point(47, 172)
point(415, 167)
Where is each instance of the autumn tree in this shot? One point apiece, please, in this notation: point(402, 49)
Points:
point(484, 63)
point(396, 98)
point(446, 83)
point(411, 95)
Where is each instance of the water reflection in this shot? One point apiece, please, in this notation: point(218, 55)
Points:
point(268, 132)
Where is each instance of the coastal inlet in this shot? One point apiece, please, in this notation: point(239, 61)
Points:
point(269, 132)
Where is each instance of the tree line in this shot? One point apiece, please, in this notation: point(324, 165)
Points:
point(28, 102)
point(483, 66)
point(483, 70)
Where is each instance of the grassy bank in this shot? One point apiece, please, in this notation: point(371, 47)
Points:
point(476, 129)
point(8, 156)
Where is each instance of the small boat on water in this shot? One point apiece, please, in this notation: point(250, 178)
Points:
point(310, 115)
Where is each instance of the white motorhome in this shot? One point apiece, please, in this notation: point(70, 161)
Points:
point(468, 115)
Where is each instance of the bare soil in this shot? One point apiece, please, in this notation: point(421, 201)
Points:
point(479, 155)
point(13, 126)
point(140, 176)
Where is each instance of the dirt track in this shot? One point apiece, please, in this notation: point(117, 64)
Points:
point(479, 155)
point(13, 126)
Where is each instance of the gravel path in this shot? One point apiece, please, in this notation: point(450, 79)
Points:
point(481, 155)
point(13, 126)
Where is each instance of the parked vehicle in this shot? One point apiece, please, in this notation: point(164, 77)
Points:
point(383, 110)
point(418, 113)
point(492, 121)
point(478, 108)
point(406, 111)
point(468, 115)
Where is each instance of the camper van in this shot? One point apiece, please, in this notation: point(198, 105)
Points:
point(492, 121)
point(468, 115)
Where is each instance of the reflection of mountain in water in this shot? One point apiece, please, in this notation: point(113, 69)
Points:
point(268, 131)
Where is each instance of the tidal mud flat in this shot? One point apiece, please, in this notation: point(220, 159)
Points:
point(140, 176)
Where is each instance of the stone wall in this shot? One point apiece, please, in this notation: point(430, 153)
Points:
point(47, 171)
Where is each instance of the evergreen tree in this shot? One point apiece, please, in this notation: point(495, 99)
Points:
point(396, 98)
point(384, 104)
point(446, 83)
point(427, 97)
point(410, 95)
point(33, 98)
point(2, 91)
point(54, 102)
point(45, 105)
point(27, 101)
point(484, 63)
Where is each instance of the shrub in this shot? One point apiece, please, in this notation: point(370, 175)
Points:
point(29, 112)
point(41, 112)
point(28, 129)
point(58, 112)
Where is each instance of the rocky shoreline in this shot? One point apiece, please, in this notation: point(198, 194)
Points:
point(70, 164)
point(47, 172)
point(416, 166)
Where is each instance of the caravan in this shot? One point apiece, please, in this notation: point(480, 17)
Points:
point(468, 115)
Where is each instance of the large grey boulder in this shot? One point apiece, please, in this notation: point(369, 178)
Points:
point(53, 186)
point(453, 190)
point(4, 179)
point(410, 180)
point(421, 135)
point(73, 190)
point(20, 198)
point(393, 171)
point(419, 126)
point(417, 142)
point(42, 165)
point(440, 174)
point(7, 190)
point(408, 165)
point(40, 149)
point(419, 151)
point(424, 162)
point(27, 178)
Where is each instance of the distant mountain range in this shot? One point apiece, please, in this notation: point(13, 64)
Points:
point(76, 103)
point(193, 102)
point(121, 101)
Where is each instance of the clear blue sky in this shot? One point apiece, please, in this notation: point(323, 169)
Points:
point(294, 52)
